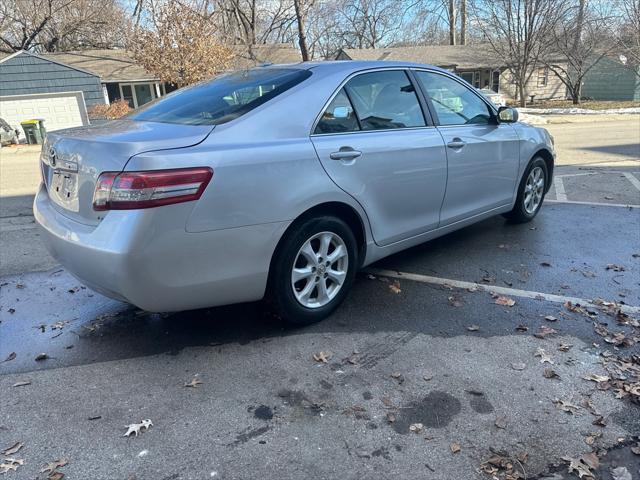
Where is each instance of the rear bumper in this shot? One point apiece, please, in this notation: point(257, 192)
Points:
point(145, 257)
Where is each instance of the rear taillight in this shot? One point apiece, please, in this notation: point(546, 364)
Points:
point(131, 190)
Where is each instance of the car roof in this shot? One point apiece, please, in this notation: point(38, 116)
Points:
point(349, 66)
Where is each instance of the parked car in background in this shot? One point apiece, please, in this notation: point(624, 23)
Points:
point(497, 99)
point(281, 182)
point(8, 135)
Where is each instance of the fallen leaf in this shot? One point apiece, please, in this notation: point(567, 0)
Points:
point(398, 376)
point(391, 417)
point(473, 328)
point(427, 377)
point(56, 476)
point(518, 366)
point(550, 318)
point(501, 422)
point(636, 449)
point(565, 347)
point(590, 439)
point(11, 310)
point(506, 301)
point(621, 473)
point(566, 406)
point(544, 356)
point(52, 466)
point(454, 301)
point(544, 332)
point(322, 357)
point(600, 422)
point(596, 378)
point(15, 448)
point(545, 264)
point(615, 268)
point(416, 427)
point(580, 466)
point(550, 373)
point(11, 356)
point(10, 464)
point(195, 381)
point(136, 428)
point(395, 287)
point(455, 447)
point(522, 328)
point(41, 356)
point(22, 383)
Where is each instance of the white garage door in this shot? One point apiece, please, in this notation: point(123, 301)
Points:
point(59, 110)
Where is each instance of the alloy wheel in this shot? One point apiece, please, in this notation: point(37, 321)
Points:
point(534, 190)
point(320, 269)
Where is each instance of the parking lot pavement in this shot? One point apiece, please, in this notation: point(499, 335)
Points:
point(448, 358)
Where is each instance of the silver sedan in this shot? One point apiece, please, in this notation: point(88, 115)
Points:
point(281, 182)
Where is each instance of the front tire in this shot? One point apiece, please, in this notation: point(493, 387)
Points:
point(531, 192)
point(313, 270)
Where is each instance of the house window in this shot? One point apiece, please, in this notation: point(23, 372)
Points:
point(543, 76)
point(467, 76)
point(137, 94)
point(495, 81)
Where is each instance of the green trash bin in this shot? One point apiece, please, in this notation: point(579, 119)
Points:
point(43, 131)
point(32, 131)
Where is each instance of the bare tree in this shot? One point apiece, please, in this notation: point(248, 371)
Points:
point(519, 32)
point(463, 22)
point(371, 23)
point(181, 45)
point(582, 38)
point(302, 34)
point(628, 36)
point(52, 25)
point(451, 11)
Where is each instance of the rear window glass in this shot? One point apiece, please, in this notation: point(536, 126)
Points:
point(223, 99)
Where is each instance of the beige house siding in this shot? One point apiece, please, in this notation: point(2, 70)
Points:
point(553, 89)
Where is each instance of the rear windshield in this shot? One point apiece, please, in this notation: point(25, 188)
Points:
point(223, 99)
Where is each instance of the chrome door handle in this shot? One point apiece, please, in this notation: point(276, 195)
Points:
point(345, 155)
point(456, 143)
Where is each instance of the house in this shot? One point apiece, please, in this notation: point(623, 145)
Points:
point(32, 86)
point(61, 87)
point(477, 64)
point(612, 78)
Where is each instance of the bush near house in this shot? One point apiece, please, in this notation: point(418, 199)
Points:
point(115, 110)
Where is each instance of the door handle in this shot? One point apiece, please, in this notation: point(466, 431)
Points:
point(345, 154)
point(456, 143)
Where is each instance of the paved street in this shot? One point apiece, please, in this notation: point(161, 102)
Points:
point(441, 352)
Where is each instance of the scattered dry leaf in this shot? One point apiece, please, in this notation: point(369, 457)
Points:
point(501, 422)
point(550, 373)
point(22, 383)
point(566, 406)
point(506, 301)
point(565, 347)
point(473, 328)
point(545, 264)
point(550, 318)
point(416, 427)
point(195, 381)
point(621, 473)
point(136, 428)
point(522, 328)
point(322, 357)
point(596, 378)
point(52, 466)
point(544, 332)
point(583, 465)
point(518, 366)
point(455, 447)
point(398, 377)
point(10, 464)
point(41, 356)
point(10, 357)
point(615, 268)
point(544, 356)
point(15, 448)
point(395, 286)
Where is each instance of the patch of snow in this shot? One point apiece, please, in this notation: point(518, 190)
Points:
point(579, 111)
point(531, 119)
point(143, 453)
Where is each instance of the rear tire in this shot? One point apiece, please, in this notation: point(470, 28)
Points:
point(531, 192)
point(312, 270)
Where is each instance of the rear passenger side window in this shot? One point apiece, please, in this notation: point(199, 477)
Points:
point(339, 116)
point(385, 100)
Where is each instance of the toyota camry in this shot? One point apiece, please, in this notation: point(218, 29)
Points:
point(280, 182)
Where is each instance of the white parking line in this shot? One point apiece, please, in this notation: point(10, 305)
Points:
point(634, 181)
point(561, 195)
point(595, 204)
point(513, 292)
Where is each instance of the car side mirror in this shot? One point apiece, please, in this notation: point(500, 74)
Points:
point(507, 115)
point(341, 112)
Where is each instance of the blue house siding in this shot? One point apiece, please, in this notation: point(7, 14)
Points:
point(26, 74)
point(610, 80)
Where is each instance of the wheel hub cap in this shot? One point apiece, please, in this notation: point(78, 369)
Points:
point(534, 190)
point(319, 269)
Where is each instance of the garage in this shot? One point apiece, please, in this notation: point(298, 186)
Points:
point(33, 86)
point(59, 110)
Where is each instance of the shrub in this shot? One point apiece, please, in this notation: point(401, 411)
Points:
point(117, 109)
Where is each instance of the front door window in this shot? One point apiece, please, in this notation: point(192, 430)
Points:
point(137, 94)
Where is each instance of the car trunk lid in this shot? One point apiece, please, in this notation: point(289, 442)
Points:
point(73, 159)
